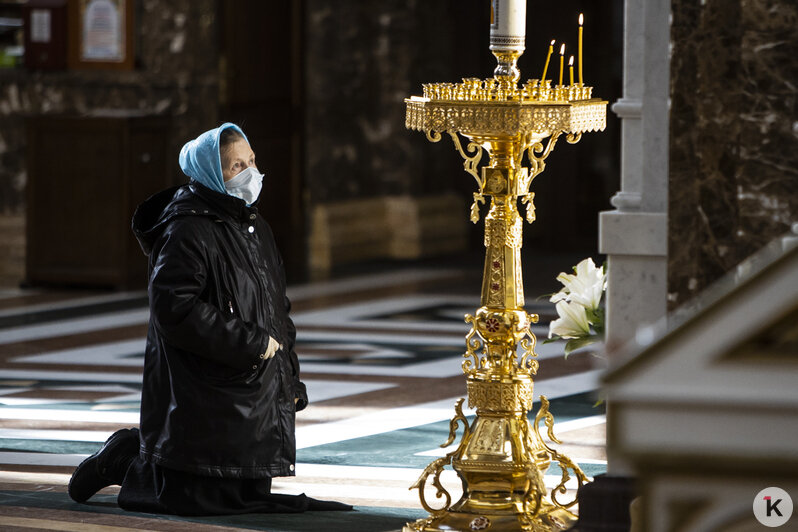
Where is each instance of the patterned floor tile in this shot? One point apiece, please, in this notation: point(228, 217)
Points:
point(381, 355)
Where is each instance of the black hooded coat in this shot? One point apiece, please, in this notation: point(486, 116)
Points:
point(210, 405)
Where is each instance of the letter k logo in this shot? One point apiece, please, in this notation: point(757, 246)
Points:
point(772, 506)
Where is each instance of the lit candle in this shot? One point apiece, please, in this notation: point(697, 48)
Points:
point(562, 60)
point(571, 68)
point(546, 67)
point(581, 21)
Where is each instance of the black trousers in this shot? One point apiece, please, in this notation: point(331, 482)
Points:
point(154, 489)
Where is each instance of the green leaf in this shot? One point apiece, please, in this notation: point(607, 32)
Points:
point(596, 318)
point(578, 343)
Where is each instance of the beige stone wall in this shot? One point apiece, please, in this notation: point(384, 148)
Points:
point(390, 227)
point(12, 250)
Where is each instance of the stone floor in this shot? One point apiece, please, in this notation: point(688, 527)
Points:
point(380, 353)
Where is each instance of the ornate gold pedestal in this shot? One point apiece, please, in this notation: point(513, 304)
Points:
point(501, 458)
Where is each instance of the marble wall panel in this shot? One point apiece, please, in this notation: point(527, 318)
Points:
point(362, 60)
point(733, 135)
point(176, 75)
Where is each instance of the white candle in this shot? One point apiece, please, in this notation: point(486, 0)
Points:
point(581, 21)
point(507, 24)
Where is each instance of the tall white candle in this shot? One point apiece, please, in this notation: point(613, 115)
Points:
point(507, 24)
point(581, 21)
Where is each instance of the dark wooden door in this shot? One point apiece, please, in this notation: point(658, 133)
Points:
point(86, 175)
point(261, 90)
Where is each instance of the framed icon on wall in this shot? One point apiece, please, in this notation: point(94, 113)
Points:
point(101, 34)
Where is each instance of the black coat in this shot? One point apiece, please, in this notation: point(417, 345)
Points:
point(210, 405)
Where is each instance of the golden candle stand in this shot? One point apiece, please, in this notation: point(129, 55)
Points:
point(502, 458)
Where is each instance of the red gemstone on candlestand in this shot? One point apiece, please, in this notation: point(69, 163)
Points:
point(496, 264)
point(495, 286)
point(492, 325)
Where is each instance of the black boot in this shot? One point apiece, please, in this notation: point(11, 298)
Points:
point(105, 467)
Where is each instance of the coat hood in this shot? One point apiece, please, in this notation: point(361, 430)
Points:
point(200, 160)
point(194, 199)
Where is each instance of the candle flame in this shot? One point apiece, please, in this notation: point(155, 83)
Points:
point(552, 42)
point(571, 61)
point(562, 49)
point(581, 19)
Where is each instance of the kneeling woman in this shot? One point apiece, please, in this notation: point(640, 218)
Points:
point(221, 378)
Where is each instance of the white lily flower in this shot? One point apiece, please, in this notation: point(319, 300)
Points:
point(585, 287)
point(562, 295)
point(572, 322)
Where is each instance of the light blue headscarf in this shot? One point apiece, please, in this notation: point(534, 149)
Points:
point(200, 160)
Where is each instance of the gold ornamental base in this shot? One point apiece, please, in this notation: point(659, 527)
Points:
point(556, 520)
point(501, 460)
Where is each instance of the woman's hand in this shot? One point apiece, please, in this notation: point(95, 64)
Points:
point(271, 349)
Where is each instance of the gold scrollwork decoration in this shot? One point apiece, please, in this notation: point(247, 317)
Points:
point(433, 136)
point(470, 162)
point(528, 200)
point(420, 524)
point(538, 154)
point(573, 138)
point(454, 422)
point(566, 463)
point(436, 467)
point(524, 141)
point(535, 489)
point(474, 343)
point(528, 361)
point(478, 199)
point(527, 342)
point(545, 415)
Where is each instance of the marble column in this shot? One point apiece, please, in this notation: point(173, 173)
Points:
point(634, 236)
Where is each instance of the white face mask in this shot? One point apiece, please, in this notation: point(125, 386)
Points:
point(245, 185)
